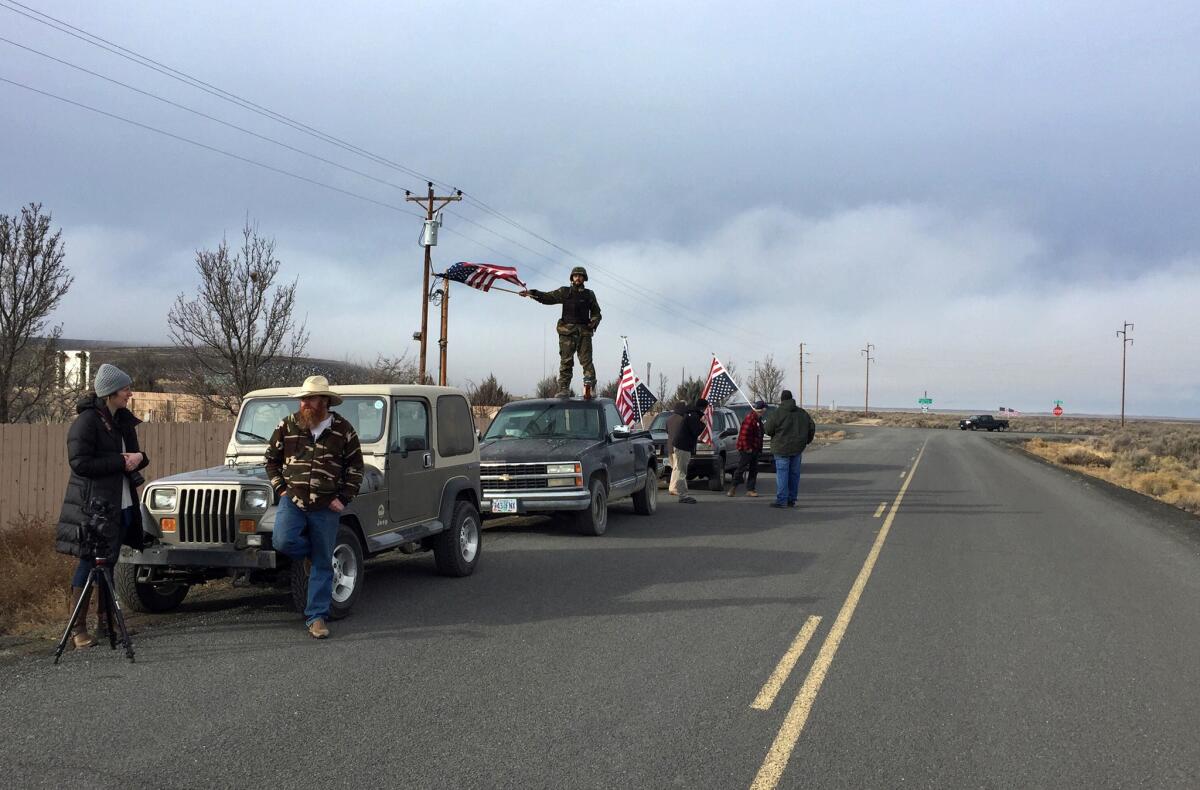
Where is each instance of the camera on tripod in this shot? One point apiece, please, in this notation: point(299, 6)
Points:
point(100, 533)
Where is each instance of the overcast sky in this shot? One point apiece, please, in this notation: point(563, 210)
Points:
point(985, 193)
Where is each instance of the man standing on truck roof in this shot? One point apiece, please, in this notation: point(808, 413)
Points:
point(580, 317)
point(315, 465)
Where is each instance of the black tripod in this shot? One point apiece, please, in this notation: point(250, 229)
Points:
point(108, 608)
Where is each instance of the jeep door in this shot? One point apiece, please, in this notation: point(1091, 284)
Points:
point(621, 471)
point(412, 483)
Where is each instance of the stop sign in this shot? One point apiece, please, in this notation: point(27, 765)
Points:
point(1058, 411)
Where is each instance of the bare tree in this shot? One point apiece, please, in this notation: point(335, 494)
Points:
point(767, 379)
point(662, 391)
point(487, 395)
point(400, 369)
point(609, 390)
point(547, 387)
point(33, 280)
point(689, 390)
point(238, 333)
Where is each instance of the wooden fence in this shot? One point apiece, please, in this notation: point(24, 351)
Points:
point(34, 470)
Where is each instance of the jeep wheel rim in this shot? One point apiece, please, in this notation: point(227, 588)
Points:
point(345, 573)
point(468, 539)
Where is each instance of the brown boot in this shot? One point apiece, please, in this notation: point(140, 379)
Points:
point(589, 391)
point(80, 637)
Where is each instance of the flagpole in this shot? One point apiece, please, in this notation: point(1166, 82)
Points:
point(490, 288)
point(731, 378)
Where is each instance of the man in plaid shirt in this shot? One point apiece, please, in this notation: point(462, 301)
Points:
point(750, 446)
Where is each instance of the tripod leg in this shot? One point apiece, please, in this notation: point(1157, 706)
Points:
point(116, 618)
point(83, 597)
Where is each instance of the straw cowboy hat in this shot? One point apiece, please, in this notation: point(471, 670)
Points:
point(319, 385)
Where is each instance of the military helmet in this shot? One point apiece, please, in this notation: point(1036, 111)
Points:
point(580, 271)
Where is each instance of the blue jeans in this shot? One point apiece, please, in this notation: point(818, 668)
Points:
point(85, 563)
point(299, 534)
point(787, 478)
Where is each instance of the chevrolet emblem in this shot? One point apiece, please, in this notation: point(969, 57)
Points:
point(506, 478)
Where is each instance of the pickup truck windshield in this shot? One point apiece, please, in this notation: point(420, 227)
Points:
point(546, 421)
point(260, 417)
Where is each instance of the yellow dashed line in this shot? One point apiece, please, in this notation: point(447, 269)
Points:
point(770, 689)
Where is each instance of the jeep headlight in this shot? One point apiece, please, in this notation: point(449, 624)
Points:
point(562, 469)
point(163, 498)
point(256, 499)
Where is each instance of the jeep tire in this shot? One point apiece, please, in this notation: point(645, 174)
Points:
point(645, 502)
point(348, 575)
point(594, 520)
point(456, 549)
point(143, 597)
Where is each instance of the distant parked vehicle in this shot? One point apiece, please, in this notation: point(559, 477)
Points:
point(982, 422)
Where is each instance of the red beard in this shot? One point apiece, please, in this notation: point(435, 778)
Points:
point(311, 418)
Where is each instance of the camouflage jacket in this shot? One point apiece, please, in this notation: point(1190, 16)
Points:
point(315, 471)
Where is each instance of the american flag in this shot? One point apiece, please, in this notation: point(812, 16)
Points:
point(717, 389)
point(634, 398)
point(482, 275)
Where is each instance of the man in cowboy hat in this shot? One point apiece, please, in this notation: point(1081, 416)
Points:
point(315, 465)
point(580, 317)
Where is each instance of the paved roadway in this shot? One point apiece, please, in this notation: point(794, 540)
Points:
point(997, 624)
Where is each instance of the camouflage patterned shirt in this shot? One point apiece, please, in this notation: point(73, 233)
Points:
point(315, 471)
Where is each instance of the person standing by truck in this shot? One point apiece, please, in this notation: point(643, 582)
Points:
point(683, 444)
point(791, 430)
point(580, 317)
point(750, 447)
point(315, 464)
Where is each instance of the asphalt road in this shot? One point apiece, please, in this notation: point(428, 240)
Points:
point(984, 621)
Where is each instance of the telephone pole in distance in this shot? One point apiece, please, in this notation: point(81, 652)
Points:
point(1126, 342)
point(803, 354)
point(866, 352)
point(432, 204)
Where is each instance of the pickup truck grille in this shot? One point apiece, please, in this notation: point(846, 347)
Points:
point(206, 515)
point(513, 485)
point(512, 469)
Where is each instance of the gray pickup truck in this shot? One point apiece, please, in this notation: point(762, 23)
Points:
point(420, 491)
point(566, 456)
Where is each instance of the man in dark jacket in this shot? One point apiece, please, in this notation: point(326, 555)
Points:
point(580, 317)
point(791, 430)
point(750, 447)
point(688, 429)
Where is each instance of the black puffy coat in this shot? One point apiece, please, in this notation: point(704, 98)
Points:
point(98, 469)
point(690, 428)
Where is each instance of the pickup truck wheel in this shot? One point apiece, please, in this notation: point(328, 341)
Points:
point(645, 502)
point(456, 550)
point(348, 575)
point(716, 480)
point(594, 520)
point(152, 598)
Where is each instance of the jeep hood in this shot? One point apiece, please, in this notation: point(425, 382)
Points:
point(525, 450)
point(241, 473)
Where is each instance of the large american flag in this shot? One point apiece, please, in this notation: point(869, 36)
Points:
point(634, 398)
point(482, 275)
point(717, 389)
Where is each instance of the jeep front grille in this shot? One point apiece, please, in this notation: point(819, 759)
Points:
point(206, 515)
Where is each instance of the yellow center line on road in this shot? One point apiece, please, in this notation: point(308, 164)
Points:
point(797, 716)
point(770, 689)
point(902, 473)
point(879, 510)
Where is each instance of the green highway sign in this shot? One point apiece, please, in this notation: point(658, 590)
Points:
point(1058, 403)
point(924, 400)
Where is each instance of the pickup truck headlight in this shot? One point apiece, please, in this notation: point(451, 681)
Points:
point(562, 469)
point(256, 499)
point(163, 498)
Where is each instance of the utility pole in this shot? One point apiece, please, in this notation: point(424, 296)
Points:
point(445, 337)
point(803, 354)
point(866, 352)
point(817, 404)
point(432, 204)
point(1126, 342)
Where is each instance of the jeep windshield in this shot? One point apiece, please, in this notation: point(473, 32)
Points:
point(260, 417)
point(546, 421)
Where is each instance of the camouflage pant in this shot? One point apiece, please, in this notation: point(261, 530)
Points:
point(574, 339)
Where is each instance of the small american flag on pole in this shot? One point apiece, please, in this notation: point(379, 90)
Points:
point(717, 389)
point(634, 398)
point(482, 275)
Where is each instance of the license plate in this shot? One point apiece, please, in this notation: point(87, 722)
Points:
point(504, 506)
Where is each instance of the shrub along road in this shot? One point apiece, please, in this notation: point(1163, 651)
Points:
point(940, 611)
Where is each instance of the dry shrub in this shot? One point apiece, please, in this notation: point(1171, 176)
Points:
point(1155, 484)
point(829, 437)
point(1077, 455)
point(35, 580)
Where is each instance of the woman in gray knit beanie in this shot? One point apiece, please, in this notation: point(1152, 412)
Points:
point(106, 464)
